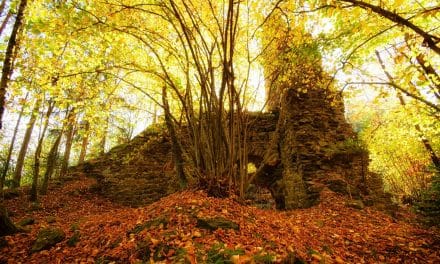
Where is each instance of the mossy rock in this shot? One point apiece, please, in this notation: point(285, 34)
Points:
point(162, 220)
point(47, 238)
point(338, 186)
point(356, 204)
point(27, 221)
point(74, 239)
point(51, 219)
point(216, 223)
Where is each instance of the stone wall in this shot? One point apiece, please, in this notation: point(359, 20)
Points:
point(142, 172)
point(313, 147)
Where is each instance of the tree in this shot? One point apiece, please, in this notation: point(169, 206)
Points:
point(6, 225)
point(51, 161)
point(70, 130)
point(11, 146)
point(25, 144)
point(9, 56)
point(37, 155)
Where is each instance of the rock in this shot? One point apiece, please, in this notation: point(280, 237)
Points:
point(216, 223)
point(162, 220)
point(74, 239)
point(51, 219)
point(337, 185)
point(356, 204)
point(47, 238)
point(11, 193)
point(26, 221)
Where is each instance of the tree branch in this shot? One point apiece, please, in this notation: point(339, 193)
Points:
point(429, 40)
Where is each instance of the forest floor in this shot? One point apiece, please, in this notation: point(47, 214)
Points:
point(172, 231)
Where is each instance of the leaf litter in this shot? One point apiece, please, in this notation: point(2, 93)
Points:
point(167, 231)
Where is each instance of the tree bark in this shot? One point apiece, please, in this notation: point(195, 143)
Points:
point(51, 162)
point(25, 145)
point(426, 143)
point(11, 147)
point(5, 22)
point(36, 174)
point(2, 6)
point(430, 72)
point(103, 140)
point(6, 225)
point(176, 147)
point(85, 142)
point(71, 119)
point(428, 40)
point(8, 61)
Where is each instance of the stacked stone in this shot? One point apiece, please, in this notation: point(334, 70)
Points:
point(137, 173)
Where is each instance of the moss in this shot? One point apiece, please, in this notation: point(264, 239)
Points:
point(162, 220)
point(264, 258)
point(26, 221)
point(74, 239)
point(47, 238)
point(216, 223)
point(347, 147)
point(219, 254)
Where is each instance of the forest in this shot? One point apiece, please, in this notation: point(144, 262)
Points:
point(220, 131)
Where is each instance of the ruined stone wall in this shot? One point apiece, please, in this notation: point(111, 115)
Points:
point(141, 171)
point(313, 147)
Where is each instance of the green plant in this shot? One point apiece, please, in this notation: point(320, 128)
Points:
point(429, 204)
point(219, 254)
point(264, 258)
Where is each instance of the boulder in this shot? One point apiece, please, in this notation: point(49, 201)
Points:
point(216, 223)
point(47, 238)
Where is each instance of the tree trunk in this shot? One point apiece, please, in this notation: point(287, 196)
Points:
point(24, 145)
point(6, 225)
point(426, 143)
point(36, 174)
point(85, 142)
point(103, 140)
point(69, 140)
point(8, 61)
point(5, 22)
point(51, 162)
point(429, 40)
point(2, 6)
point(176, 147)
point(11, 148)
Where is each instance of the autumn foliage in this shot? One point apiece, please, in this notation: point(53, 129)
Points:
point(169, 231)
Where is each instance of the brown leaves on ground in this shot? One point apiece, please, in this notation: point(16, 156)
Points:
point(167, 232)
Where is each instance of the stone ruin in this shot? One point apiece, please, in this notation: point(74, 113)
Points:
point(322, 151)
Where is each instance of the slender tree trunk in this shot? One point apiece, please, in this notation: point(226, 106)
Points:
point(69, 140)
point(36, 174)
point(429, 40)
point(51, 162)
point(175, 144)
point(426, 142)
point(2, 6)
point(25, 144)
point(8, 61)
point(103, 140)
point(6, 225)
point(85, 142)
point(11, 148)
point(5, 22)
